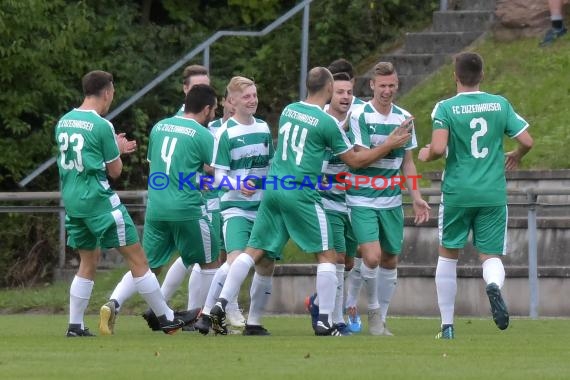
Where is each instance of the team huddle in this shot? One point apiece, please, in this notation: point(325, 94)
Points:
point(220, 235)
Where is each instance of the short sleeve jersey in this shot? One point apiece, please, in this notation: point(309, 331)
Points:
point(243, 150)
point(305, 131)
point(369, 128)
point(178, 148)
point(475, 164)
point(86, 143)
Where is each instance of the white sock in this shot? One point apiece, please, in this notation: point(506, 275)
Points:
point(354, 283)
point(337, 316)
point(232, 305)
point(259, 292)
point(236, 276)
point(206, 277)
point(387, 281)
point(173, 279)
point(124, 290)
point(326, 288)
point(494, 271)
point(216, 287)
point(370, 279)
point(79, 295)
point(446, 284)
point(194, 286)
point(149, 289)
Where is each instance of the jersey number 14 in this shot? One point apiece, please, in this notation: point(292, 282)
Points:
point(290, 134)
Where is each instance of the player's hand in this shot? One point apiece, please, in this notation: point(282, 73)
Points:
point(512, 160)
point(423, 154)
point(125, 146)
point(421, 211)
point(398, 138)
point(406, 126)
point(247, 192)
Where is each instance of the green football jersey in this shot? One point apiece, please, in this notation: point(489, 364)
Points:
point(369, 128)
point(243, 150)
point(86, 143)
point(475, 165)
point(305, 131)
point(178, 148)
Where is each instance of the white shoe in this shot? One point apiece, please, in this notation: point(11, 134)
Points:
point(385, 331)
point(375, 325)
point(235, 318)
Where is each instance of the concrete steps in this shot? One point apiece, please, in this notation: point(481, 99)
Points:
point(423, 53)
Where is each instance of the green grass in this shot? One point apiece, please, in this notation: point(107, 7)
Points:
point(33, 346)
point(533, 79)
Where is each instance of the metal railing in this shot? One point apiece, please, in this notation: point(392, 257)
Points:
point(531, 203)
point(204, 47)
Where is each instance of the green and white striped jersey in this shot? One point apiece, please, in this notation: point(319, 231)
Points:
point(334, 200)
point(86, 143)
point(370, 128)
point(213, 197)
point(475, 165)
point(242, 150)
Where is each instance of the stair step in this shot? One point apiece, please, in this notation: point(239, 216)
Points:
point(487, 5)
point(407, 82)
point(438, 42)
point(462, 21)
point(413, 64)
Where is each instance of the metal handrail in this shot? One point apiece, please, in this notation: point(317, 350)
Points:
point(204, 47)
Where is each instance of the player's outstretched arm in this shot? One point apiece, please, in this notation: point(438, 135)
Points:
point(362, 158)
point(436, 148)
point(513, 158)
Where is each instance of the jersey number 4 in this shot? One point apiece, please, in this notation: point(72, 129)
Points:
point(474, 124)
point(76, 141)
point(290, 135)
point(167, 150)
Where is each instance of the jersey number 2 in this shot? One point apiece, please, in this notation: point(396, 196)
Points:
point(475, 151)
point(296, 147)
point(77, 141)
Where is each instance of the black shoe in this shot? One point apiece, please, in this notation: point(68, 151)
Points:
point(498, 306)
point(188, 316)
point(204, 324)
point(170, 327)
point(152, 320)
point(189, 328)
point(75, 331)
point(255, 330)
point(324, 329)
point(218, 316)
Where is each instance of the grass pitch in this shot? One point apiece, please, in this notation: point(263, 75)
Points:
point(34, 346)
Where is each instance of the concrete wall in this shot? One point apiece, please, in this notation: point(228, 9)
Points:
point(416, 294)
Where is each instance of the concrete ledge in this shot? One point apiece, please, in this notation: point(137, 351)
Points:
point(517, 174)
point(466, 271)
point(417, 296)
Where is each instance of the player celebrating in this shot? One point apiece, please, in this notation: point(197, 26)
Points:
point(305, 131)
point(470, 128)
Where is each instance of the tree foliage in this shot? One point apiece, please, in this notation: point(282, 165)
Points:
point(47, 45)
